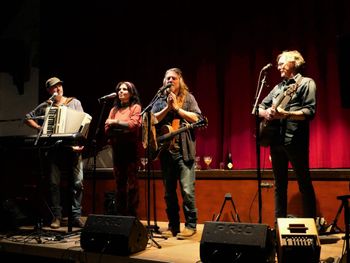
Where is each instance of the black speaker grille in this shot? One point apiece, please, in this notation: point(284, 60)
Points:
point(236, 242)
point(118, 235)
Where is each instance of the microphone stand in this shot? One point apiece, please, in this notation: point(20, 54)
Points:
point(155, 228)
point(39, 223)
point(94, 148)
point(255, 111)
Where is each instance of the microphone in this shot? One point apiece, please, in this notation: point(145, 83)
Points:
point(268, 66)
point(53, 96)
point(109, 96)
point(162, 89)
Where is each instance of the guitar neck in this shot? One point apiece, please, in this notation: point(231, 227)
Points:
point(202, 122)
point(171, 134)
point(279, 100)
point(284, 98)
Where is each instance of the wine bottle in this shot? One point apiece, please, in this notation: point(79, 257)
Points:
point(229, 163)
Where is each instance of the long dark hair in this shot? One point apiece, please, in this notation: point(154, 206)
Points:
point(134, 94)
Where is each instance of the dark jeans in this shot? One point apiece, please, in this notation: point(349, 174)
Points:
point(298, 156)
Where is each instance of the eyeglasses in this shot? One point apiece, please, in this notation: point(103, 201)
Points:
point(281, 64)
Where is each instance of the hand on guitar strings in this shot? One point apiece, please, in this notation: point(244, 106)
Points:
point(281, 113)
point(272, 113)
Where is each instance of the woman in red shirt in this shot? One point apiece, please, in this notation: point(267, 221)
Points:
point(122, 128)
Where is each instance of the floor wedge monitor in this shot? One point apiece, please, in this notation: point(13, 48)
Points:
point(117, 235)
point(236, 242)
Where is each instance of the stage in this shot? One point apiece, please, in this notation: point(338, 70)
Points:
point(60, 246)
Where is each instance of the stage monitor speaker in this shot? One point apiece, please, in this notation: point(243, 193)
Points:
point(117, 235)
point(297, 240)
point(236, 242)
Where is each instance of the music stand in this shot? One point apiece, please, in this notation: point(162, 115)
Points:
point(255, 111)
point(148, 123)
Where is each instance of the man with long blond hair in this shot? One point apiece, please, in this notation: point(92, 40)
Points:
point(176, 107)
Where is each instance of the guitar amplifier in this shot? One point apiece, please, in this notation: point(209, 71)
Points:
point(297, 240)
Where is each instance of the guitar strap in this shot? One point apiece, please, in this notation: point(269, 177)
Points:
point(288, 97)
point(68, 100)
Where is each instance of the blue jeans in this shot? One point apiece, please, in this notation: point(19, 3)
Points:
point(175, 169)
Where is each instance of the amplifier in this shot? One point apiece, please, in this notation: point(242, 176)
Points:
point(297, 240)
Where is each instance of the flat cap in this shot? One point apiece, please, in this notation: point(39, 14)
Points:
point(52, 82)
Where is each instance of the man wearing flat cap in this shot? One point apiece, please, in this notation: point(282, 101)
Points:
point(54, 156)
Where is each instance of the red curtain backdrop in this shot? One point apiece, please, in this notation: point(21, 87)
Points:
point(221, 50)
point(228, 104)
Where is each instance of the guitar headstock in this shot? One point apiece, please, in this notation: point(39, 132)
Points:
point(202, 123)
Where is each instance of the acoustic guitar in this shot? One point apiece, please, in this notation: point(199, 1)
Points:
point(167, 134)
point(266, 129)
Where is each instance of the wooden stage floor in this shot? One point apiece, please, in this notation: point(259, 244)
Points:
point(58, 246)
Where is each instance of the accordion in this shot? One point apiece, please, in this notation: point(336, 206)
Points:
point(66, 120)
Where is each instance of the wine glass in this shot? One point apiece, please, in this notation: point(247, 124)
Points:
point(207, 160)
point(144, 161)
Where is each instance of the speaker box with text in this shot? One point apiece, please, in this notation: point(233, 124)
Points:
point(117, 235)
point(236, 242)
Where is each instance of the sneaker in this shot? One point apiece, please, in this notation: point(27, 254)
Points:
point(170, 233)
point(186, 233)
point(77, 222)
point(56, 223)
